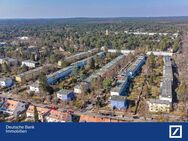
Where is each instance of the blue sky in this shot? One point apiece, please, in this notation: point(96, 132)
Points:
point(91, 8)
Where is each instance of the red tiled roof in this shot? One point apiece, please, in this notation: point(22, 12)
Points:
point(59, 115)
point(88, 118)
point(40, 110)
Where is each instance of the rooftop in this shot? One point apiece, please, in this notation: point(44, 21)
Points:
point(59, 115)
point(110, 64)
point(59, 72)
point(136, 63)
point(92, 117)
point(158, 101)
point(31, 71)
point(166, 59)
point(81, 84)
point(80, 54)
point(167, 69)
point(91, 77)
point(5, 79)
point(166, 89)
point(103, 69)
point(20, 107)
point(64, 92)
point(29, 61)
point(120, 84)
point(8, 59)
point(40, 110)
point(76, 55)
point(118, 98)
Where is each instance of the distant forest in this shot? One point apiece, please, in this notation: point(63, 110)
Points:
point(91, 32)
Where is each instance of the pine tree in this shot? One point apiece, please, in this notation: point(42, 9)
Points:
point(92, 64)
point(36, 116)
point(5, 67)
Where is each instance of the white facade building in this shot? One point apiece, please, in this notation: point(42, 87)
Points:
point(23, 38)
point(29, 63)
point(81, 88)
point(156, 105)
point(114, 93)
point(34, 87)
point(160, 53)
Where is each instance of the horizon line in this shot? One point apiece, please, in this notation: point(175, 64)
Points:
point(87, 17)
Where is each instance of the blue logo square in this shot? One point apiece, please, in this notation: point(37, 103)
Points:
point(175, 131)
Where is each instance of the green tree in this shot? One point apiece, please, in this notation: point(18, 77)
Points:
point(181, 91)
point(44, 87)
point(99, 102)
point(82, 75)
point(36, 116)
point(64, 63)
point(5, 67)
point(151, 59)
point(107, 83)
point(43, 84)
point(92, 63)
point(175, 47)
point(75, 71)
point(176, 44)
